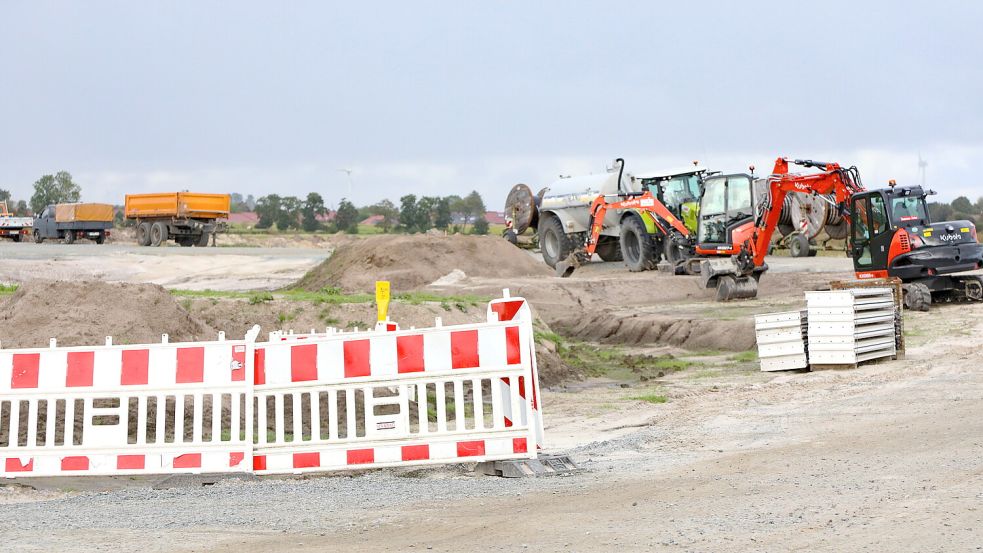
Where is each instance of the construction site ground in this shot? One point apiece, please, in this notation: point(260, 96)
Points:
point(685, 445)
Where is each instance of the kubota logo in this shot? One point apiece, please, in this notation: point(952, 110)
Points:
point(801, 186)
point(950, 237)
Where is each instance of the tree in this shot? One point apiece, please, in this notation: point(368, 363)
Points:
point(963, 205)
point(469, 207)
point(54, 189)
point(289, 215)
point(313, 207)
point(408, 213)
point(480, 225)
point(425, 213)
point(250, 203)
point(442, 218)
point(389, 213)
point(21, 209)
point(238, 204)
point(268, 209)
point(346, 219)
point(4, 195)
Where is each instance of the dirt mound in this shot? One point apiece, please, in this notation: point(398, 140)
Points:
point(414, 261)
point(85, 312)
point(638, 329)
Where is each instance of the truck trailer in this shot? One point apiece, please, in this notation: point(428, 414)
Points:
point(188, 218)
point(13, 227)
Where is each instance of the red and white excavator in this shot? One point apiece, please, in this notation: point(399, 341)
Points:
point(891, 233)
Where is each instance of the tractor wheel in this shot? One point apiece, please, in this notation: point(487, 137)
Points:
point(637, 246)
point(917, 296)
point(37, 236)
point(554, 243)
point(609, 249)
point(674, 253)
point(798, 245)
point(143, 234)
point(158, 234)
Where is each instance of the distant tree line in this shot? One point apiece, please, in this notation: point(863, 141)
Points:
point(958, 209)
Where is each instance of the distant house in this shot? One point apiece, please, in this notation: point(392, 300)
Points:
point(373, 221)
point(246, 218)
point(327, 217)
point(495, 217)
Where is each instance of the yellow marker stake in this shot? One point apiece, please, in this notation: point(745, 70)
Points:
point(382, 298)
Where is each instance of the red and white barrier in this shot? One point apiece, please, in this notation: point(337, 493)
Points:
point(446, 394)
point(313, 402)
point(113, 409)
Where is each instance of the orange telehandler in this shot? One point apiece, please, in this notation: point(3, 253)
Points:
point(891, 234)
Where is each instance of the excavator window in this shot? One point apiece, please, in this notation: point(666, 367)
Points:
point(726, 200)
point(861, 231)
point(909, 211)
point(878, 215)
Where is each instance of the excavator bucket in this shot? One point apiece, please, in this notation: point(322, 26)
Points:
point(566, 267)
point(736, 288)
point(724, 275)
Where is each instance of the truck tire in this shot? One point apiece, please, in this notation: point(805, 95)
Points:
point(798, 245)
point(101, 239)
point(158, 234)
point(917, 296)
point(37, 236)
point(554, 243)
point(143, 234)
point(202, 241)
point(185, 241)
point(609, 249)
point(637, 247)
point(70, 237)
point(15, 238)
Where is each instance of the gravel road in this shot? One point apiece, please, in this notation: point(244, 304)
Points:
point(883, 458)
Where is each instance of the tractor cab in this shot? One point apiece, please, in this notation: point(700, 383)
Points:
point(726, 217)
point(892, 234)
point(678, 190)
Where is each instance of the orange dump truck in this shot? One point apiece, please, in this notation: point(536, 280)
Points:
point(188, 218)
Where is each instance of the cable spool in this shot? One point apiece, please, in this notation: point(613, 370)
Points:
point(805, 213)
point(522, 208)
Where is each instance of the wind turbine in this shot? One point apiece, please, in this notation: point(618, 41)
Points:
point(922, 164)
point(349, 173)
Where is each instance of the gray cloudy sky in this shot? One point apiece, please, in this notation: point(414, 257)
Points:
point(444, 97)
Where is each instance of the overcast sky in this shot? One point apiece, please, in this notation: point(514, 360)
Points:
point(439, 98)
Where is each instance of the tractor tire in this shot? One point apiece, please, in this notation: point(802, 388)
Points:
point(609, 249)
point(158, 234)
point(37, 236)
point(798, 245)
point(70, 237)
point(917, 296)
point(673, 253)
point(555, 245)
point(143, 234)
point(202, 241)
point(637, 247)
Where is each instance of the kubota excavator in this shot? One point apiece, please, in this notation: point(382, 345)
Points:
point(891, 234)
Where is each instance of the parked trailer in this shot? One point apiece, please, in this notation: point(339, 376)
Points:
point(13, 227)
point(188, 218)
point(69, 222)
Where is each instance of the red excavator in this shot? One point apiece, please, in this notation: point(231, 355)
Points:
point(891, 234)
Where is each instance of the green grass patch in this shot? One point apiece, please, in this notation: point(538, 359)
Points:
point(651, 398)
point(745, 356)
point(7, 289)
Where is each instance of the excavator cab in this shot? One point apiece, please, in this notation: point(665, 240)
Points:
point(726, 217)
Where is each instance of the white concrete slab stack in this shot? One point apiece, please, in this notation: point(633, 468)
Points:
point(847, 327)
point(781, 340)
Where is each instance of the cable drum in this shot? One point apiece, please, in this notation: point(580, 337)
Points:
point(522, 208)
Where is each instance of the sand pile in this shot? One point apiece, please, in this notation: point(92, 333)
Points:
point(413, 261)
point(85, 312)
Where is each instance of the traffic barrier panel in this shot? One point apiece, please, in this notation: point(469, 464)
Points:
point(386, 398)
point(129, 409)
